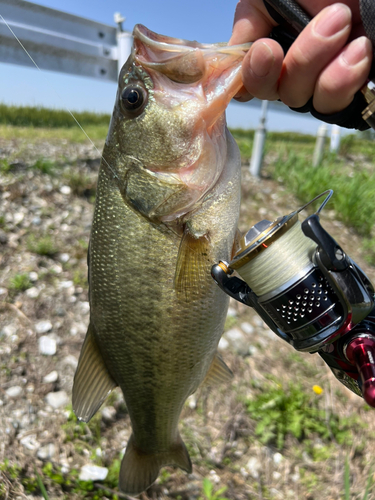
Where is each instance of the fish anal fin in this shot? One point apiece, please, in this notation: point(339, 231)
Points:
point(92, 381)
point(139, 470)
point(193, 264)
point(218, 372)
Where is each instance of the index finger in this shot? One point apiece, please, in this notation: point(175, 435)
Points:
point(251, 21)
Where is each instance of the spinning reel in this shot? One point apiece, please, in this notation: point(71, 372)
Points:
point(309, 292)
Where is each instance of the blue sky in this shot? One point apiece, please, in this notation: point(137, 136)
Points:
point(202, 20)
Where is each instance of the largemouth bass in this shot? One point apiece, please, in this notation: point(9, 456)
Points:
point(167, 207)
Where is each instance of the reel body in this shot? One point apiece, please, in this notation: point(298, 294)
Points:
point(309, 292)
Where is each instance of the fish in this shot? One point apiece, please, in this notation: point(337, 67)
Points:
point(166, 210)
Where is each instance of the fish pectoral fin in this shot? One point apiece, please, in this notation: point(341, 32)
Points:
point(236, 243)
point(218, 372)
point(92, 381)
point(193, 264)
point(139, 470)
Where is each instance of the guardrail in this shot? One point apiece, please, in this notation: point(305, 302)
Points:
point(61, 42)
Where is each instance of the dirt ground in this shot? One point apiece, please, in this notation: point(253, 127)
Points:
point(45, 221)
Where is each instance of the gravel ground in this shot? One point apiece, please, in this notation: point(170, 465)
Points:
point(45, 221)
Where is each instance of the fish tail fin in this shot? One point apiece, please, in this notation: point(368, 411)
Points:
point(139, 470)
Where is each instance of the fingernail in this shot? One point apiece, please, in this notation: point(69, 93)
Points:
point(333, 20)
point(355, 52)
point(261, 60)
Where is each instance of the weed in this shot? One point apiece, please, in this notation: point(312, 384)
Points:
point(354, 199)
point(80, 277)
point(368, 245)
point(29, 116)
point(42, 246)
point(294, 412)
point(80, 183)
point(44, 166)
point(20, 282)
point(347, 493)
point(4, 166)
point(209, 493)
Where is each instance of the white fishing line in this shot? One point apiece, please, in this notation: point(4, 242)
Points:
point(278, 263)
point(66, 108)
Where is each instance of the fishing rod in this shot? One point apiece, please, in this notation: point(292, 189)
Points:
point(292, 19)
point(309, 292)
point(298, 279)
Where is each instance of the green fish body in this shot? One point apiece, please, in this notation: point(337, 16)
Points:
point(166, 210)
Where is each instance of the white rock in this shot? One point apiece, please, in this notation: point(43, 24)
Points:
point(46, 452)
point(247, 328)
point(192, 401)
point(51, 377)
point(70, 360)
point(33, 276)
point(108, 414)
point(277, 458)
point(32, 292)
point(223, 344)
point(47, 345)
point(253, 350)
point(14, 392)
point(85, 307)
point(57, 399)
point(254, 467)
point(93, 473)
point(64, 257)
point(237, 340)
point(9, 330)
point(3, 291)
point(232, 312)
point(276, 475)
point(43, 326)
point(65, 190)
point(65, 284)
point(30, 442)
point(18, 217)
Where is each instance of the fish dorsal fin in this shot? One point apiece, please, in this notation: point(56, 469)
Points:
point(92, 381)
point(139, 470)
point(193, 264)
point(218, 372)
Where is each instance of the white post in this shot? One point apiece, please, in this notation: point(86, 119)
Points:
point(319, 144)
point(258, 145)
point(335, 139)
point(124, 41)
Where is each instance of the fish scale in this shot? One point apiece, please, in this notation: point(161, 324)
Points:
point(156, 315)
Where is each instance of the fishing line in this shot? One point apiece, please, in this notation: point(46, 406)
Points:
point(280, 262)
point(66, 108)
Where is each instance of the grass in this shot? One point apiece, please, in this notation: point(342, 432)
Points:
point(30, 116)
point(42, 245)
point(20, 282)
point(281, 412)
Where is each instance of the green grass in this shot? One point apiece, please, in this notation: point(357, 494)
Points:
point(20, 282)
point(280, 412)
point(29, 116)
point(354, 187)
point(42, 245)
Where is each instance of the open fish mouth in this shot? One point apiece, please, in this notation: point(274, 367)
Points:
point(217, 67)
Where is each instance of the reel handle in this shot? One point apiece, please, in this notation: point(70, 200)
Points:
point(360, 351)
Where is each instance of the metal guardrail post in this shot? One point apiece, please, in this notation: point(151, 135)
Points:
point(258, 145)
point(335, 139)
point(319, 144)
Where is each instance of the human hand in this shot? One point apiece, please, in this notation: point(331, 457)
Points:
point(330, 59)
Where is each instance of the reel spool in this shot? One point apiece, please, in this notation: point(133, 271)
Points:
point(306, 289)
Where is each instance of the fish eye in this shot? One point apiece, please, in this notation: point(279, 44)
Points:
point(133, 99)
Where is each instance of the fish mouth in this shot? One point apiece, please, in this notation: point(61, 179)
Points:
point(216, 67)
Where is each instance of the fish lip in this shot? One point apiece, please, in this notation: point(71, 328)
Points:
point(169, 44)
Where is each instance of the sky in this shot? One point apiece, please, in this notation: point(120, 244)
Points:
point(203, 20)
